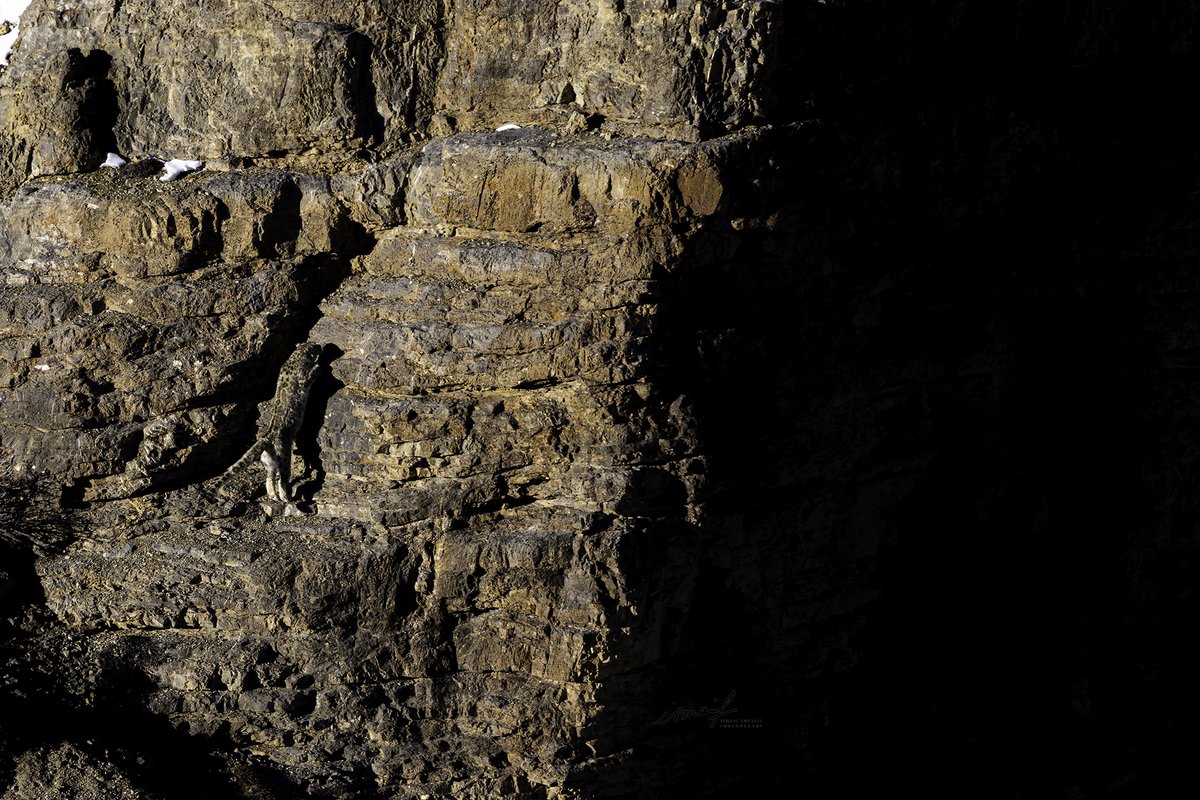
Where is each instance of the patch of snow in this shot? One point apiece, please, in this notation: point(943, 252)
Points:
point(114, 161)
point(11, 11)
point(42, 367)
point(178, 166)
point(509, 126)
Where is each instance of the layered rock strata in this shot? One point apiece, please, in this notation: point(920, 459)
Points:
point(672, 444)
point(500, 474)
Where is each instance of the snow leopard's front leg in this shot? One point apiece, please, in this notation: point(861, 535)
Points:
point(277, 478)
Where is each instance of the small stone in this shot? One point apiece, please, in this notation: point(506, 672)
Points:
point(441, 125)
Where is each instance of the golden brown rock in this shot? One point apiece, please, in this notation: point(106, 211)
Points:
point(497, 428)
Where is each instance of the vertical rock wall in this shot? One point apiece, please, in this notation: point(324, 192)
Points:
point(799, 400)
point(501, 473)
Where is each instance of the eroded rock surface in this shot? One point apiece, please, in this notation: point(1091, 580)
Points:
point(487, 445)
point(315, 82)
point(800, 399)
point(499, 479)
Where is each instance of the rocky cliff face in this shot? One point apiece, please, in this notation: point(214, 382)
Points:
point(772, 407)
point(499, 475)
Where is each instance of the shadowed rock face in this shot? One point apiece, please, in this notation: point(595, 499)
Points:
point(744, 419)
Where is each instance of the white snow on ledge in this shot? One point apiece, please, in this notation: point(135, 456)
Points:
point(178, 166)
point(10, 10)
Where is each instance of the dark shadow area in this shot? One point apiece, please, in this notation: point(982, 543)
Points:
point(281, 227)
point(948, 401)
point(50, 695)
point(31, 520)
point(370, 125)
point(654, 492)
point(734, 600)
point(307, 445)
point(87, 78)
point(1033, 248)
point(115, 729)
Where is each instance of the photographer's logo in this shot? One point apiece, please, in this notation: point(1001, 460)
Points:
point(717, 716)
